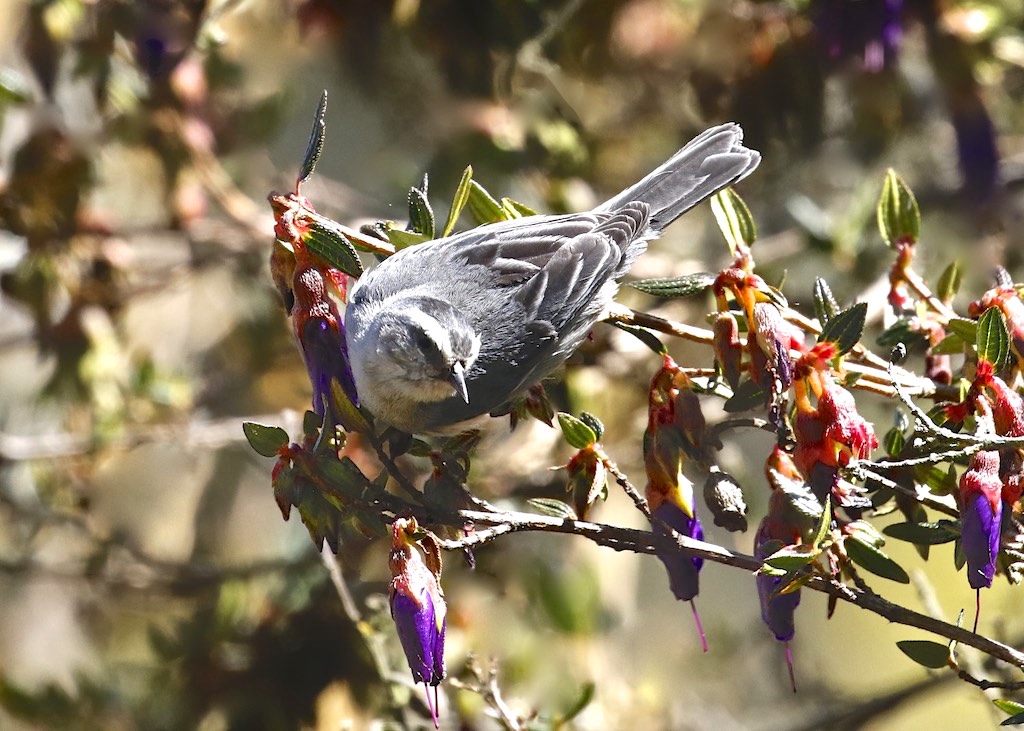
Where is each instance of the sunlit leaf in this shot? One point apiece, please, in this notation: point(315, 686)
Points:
point(734, 219)
point(482, 205)
point(458, 201)
point(315, 145)
point(576, 432)
point(324, 239)
point(965, 328)
point(993, 337)
point(949, 282)
point(864, 553)
point(552, 507)
point(792, 558)
point(899, 219)
point(825, 307)
point(684, 286)
point(845, 329)
point(265, 440)
point(421, 215)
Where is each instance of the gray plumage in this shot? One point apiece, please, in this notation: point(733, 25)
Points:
point(489, 312)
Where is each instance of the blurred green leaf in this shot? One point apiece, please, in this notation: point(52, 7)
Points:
point(315, 146)
point(350, 416)
point(684, 286)
point(576, 432)
point(903, 331)
point(893, 442)
point(825, 307)
point(645, 336)
point(927, 534)
point(734, 219)
point(925, 652)
point(458, 201)
point(965, 328)
point(845, 329)
point(899, 219)
point(993, 337)
point(265, 440)
point(950, 345)
point(748, 396)
point(949, 282)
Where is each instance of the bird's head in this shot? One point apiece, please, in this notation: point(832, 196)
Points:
point(426, 349)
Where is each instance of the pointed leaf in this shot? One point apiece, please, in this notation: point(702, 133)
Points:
point(925, 652)
point(899, 219)
point(923, 534)
point(949, 282)
point(734, 219)
point(482, 205)
point(846, 328)
point(893, 442)
point(748, 396)
point(315, 145)
point(324, 239)
point(404, 239)
point(993, 337)
point(966, 329)
point(265, 440)
point(952, 344)
point(458, 201)
point(645, 336)
point(577, 433)
point(792, 558)
point(515, 209)
point(421, 215)
point(552, 507)
point(824, 523)
point(869, 557)
point(825, 307)
point(684, 286)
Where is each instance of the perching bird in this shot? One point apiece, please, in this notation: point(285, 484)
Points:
point(453, 329)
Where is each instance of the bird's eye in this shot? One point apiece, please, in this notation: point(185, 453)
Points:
point(424, 342)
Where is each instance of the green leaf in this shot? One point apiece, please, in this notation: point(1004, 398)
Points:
point(993, 337)
point(684, 286)
point(825, 307)
point(923, 534)
point(966, 329)
point(515, 209)
point(733, 219)
point(893, 442)
point(594, 423)
point(347, 412)
point(325, 240)
point(861, 551)
point(315, 145)
point(404, 239)
point(925, 652)
point(311, 423)
point(792, 558)
point(552, 507)
point(949, 282)
point(586, 696)
point(899, 219)
point(458, 201)
point(846, 328)
point(482, 205)
point(1007, 706)
point(577, 433)
point(902, 331)
point(949, 345)
point(824, 523)
point(645, 336)
point(265, 440)
point(421, 215)
point(14, 88)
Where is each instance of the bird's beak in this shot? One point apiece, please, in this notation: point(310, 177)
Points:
point(458, 380)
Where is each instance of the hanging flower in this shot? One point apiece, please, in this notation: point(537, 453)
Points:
point(417, 606)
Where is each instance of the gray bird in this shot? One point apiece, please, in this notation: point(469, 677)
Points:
point(447, 331)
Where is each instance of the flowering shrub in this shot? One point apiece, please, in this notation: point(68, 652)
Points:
point(824, 478)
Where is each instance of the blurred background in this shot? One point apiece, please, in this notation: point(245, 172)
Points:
point(147, 580)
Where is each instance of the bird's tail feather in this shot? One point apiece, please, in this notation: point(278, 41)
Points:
point(709, 162)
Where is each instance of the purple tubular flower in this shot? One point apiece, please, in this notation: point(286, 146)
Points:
point(418, 608)
point(777, 610)
point(683, 571)
point(980, 537)
point(981, 513)
point(326, 355)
